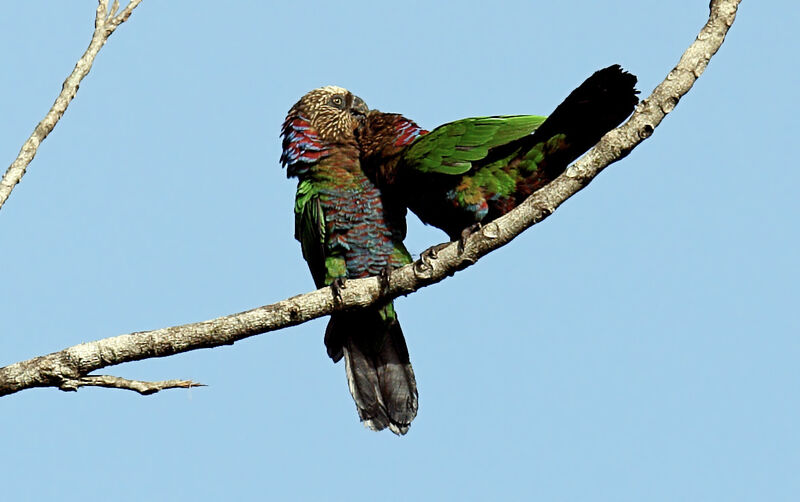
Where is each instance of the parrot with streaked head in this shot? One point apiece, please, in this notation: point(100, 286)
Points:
point(348, 229)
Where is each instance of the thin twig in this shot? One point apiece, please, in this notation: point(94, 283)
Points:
point(113, 382)
point(104, 26)
point(75, 362)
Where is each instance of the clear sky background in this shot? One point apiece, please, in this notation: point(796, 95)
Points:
point(641, 344)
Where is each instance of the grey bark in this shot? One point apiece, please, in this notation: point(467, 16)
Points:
point(68, 369)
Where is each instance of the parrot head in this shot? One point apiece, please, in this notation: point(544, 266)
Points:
point(335, 113)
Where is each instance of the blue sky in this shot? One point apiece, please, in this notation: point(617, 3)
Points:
point(641, 344)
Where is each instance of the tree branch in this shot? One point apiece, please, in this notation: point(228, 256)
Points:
point(68, 369)
point(104, 25)
point(143, 388)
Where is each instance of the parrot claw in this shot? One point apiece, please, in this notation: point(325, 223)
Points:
point(337, 286)
point(383, 280)
point(432, 253)
point(465, 234)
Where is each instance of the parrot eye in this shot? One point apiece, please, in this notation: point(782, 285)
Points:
point(337, 101)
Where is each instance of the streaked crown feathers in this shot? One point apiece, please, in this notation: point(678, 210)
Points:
point(330, 111)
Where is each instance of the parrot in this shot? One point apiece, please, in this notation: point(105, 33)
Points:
point(474, 170)
point(347, 228)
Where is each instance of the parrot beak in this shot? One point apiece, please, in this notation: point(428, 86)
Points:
point(359, 109)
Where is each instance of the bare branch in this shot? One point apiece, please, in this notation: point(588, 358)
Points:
point(62, 368)
point(104, 26)
point(114, 8)
point(112, 382)
point(117, 19)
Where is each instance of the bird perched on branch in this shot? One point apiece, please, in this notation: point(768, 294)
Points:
point(348, 229)
point(476, 169)
point(359, 170)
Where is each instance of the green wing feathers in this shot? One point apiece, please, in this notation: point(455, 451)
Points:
point(453, 147)
point(477, 169)
point(309, 229)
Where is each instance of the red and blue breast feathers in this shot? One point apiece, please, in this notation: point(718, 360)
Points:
point(362, 229)
point(302, 146)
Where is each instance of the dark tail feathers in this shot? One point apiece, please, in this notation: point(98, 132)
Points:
point(598, 105)
point(378, 369)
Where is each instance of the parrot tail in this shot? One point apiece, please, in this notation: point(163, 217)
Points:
point(378, 369)
point(598, 105)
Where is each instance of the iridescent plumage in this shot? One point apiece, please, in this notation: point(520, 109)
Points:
point(348, 230)
point(476, 169)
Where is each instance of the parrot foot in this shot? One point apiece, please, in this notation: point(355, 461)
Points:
point(432, 253)
point(337, 286)
point(465, 234)
point(424, 266)
point(383, 280)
